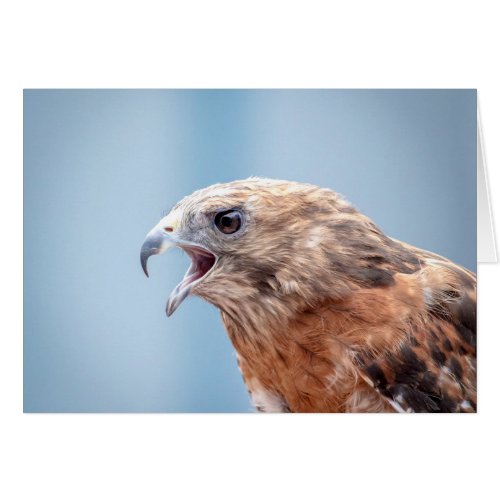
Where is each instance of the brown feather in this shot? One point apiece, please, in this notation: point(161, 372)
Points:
point(327, 313)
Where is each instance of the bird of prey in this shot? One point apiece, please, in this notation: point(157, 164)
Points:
point(326, 313)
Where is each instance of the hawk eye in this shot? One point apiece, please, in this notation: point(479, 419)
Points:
point(228, 222)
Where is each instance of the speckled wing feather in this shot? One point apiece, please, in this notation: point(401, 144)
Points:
point(326, 312)
point(434, 368)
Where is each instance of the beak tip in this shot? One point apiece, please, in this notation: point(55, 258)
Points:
point(144, 266)
point(171, 307)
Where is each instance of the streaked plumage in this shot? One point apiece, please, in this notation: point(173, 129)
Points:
point(326, 313)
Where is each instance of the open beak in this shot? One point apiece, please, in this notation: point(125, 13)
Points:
point(202, 261)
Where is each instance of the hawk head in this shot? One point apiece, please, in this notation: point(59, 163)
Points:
point(267, 248)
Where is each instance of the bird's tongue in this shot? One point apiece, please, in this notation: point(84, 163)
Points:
point(201, 262)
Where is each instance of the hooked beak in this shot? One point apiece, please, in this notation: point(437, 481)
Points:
point(158, 241)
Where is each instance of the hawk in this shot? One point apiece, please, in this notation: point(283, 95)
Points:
point(326, 313)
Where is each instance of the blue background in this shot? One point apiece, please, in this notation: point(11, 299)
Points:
point(102, 166)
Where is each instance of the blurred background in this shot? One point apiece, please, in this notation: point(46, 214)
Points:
point(102, 166)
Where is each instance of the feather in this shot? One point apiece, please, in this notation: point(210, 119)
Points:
point(325, 311)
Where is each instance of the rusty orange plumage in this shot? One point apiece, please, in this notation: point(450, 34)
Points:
point(326, 312)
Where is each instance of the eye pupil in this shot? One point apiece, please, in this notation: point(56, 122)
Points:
point(228, 222)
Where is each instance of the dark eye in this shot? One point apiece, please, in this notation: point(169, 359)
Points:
point(228, 222)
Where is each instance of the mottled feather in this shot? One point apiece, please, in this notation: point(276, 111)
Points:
point(329, 314)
